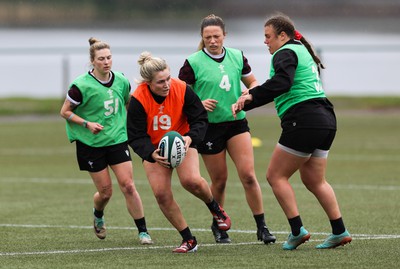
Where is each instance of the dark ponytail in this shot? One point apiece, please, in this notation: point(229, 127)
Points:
point(282, 23)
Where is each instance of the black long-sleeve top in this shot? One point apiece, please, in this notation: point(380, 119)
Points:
point(285, 63)
point(313, 113)
point(140, 141)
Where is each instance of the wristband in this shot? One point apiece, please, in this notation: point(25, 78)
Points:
point(70, 117)
point(84, 124)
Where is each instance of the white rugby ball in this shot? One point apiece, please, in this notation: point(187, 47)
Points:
point(172, 146)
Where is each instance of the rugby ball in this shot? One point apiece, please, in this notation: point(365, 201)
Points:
point(172, 146)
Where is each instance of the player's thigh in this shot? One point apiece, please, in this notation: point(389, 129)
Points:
point(189, 169)
point(159, 177)
point(123, 173)
point(283, 164)
point(241, 152)
point(102, 181)
point(216, 165)
point(313, 171)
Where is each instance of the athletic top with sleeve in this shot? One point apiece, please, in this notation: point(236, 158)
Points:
point(217, 78)
point(164, 117)
point(102, 103)
point(295, 87)
point(151, 116)
point(306, 84)
point(219, 81)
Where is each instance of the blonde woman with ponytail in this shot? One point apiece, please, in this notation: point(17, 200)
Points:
point(161, 104)
point(95, 114)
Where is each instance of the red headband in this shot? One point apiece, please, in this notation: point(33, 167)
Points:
point(297, 35)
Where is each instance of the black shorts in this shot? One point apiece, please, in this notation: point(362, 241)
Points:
point(96, 159)
point(218, 134)
point(308, 140)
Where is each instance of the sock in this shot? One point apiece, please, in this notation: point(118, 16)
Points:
point(295, 225)
point(141, 225)
point(260, 220)
point(186, 234)
point(98, 213)
point(213, 206)
point(337, 226)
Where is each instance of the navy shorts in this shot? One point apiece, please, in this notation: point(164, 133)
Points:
point(96, 159)
point(218, 134)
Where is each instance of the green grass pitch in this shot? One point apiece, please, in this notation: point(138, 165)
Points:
point(46, 204)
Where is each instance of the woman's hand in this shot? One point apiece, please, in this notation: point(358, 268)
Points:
point(160, 159)
point(187, 140)
point(238, 106)
point(210, 104)
point(94, 127)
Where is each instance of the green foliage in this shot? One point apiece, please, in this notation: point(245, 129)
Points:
point(45, 205)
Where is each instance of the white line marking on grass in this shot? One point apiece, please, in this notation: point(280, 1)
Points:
point(356, 187)
point(173, 229)
point(144, 182)
point(364, 158)
point(380, 236)
point(70, 150)
point(366, 187)
point(50, 180)
point(73, 251)
point(80, 251)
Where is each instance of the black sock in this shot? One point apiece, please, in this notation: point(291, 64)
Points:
point(186, 234)
point(98, 213)
point(260, 220)
point(337, 226)
point(295, 225)
point(213, 206)
point(141, 225)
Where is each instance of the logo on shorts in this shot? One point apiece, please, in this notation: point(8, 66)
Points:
point(127, 152)
point(209, 145)
point(91, 164)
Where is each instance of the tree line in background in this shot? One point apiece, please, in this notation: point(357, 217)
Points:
point(125, 12)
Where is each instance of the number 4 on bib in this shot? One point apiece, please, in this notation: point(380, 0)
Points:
point(224, 84)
